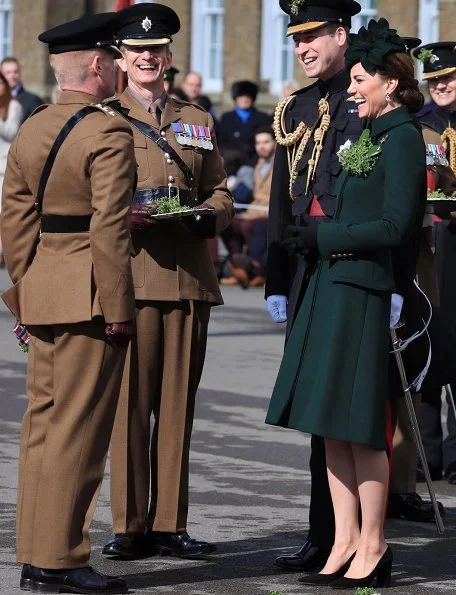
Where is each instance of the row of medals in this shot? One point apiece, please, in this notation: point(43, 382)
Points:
point(193, 135)
point(436, 155)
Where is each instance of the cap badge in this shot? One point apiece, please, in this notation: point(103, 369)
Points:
point(433, 59)
point(146, 24)
point(295, 6)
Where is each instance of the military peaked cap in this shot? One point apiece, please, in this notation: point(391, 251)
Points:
point(240, 88)
point(88, 32)
point(309, 15)
point(146, 24)
point(439, 59)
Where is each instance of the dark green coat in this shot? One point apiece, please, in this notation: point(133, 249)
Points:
point(333, 380)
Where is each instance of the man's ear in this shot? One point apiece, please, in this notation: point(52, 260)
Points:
point(96, 64)
point(122, 63)
point(342, 36)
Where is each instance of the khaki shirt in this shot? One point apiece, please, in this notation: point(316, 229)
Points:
point(70, 277)
point(170, 262)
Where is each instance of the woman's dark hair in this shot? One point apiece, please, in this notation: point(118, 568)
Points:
point(399, 65)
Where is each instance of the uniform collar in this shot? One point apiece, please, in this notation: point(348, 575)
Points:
point(339, 82)
point(171, 112)
point(398, 116)
point(70, 97)
point(146, 103)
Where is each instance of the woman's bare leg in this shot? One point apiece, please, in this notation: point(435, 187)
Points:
point(344, 494)
point(372, 475)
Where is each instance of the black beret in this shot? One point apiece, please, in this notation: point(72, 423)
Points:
point(439, 59)
point(309, 15)
point(88, 32)
point(146, 24)
point(240, 88)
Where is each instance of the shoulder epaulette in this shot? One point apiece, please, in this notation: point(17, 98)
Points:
point(105, 108)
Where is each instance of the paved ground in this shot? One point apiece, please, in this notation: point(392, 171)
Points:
point(249, 482)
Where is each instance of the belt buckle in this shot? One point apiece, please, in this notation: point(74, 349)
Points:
point(177, 191)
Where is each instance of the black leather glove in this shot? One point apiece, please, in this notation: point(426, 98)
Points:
point(300, 239)
point(203, 224)
point(120, 333)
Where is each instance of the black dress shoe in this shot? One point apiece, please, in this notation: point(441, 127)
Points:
point(129, 546)
point(381, 575)
point(310, 558)
point(77, 580)
point(411, 507)
point(326, 579)
point(180, 545)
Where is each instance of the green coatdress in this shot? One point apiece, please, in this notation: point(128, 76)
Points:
point(333, 380)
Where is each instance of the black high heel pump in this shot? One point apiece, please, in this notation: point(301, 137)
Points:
point(382, 572)
point(327, 579)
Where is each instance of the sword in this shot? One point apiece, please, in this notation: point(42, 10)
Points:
point(450, 400)
point(415, 428)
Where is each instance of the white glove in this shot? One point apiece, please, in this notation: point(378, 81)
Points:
point(277, 307)
point(396, 308)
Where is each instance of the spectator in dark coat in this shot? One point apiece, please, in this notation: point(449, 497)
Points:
point(11, 70)
point(240, 124)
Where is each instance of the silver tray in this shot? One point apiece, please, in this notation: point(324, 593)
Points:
point(449, 200)
point(180, 214)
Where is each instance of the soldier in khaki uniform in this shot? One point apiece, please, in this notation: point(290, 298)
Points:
point(68, 255)
point(175, 287)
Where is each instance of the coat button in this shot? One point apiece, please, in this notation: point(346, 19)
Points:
point(171, 179)
point(167, 155)
point(163, 133)
point(169, 161)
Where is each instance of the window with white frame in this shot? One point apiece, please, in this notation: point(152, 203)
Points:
point(428, 24)
point(5, 27)
point(277, 56)
point(207, 42)
point(368, 12)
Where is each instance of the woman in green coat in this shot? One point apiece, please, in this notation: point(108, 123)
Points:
point(333, 380)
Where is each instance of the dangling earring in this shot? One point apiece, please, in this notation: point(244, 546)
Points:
point(388, 96)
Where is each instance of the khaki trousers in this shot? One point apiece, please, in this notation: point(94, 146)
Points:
point(403, 472)
point(73, 382)
point(162, 373)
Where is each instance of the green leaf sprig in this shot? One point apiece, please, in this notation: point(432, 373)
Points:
point(170, 205)
point(436, 194)
point(295, 6)
point(360, 158)
point(425, 55)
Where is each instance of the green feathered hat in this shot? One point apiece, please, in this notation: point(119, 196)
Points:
point(370, 46)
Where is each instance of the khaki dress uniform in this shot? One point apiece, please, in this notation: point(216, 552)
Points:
point(175, 286)
point(67, 286)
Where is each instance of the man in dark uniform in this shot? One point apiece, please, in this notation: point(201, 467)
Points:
point(67, 249)
point(439, 61)
point(310, 126)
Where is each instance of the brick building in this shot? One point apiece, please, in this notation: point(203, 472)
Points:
point(225, 40)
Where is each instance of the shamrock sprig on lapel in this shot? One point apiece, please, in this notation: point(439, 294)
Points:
point(359, 159)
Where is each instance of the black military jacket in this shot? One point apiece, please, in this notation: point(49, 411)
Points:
point(283, 211)
point(231, 129)
point(437, 118)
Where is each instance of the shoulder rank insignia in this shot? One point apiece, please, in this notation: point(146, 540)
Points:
point(436, 155)
point(193, 135)
point(105, 108)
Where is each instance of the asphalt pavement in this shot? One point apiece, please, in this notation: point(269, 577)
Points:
point(250, 483)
